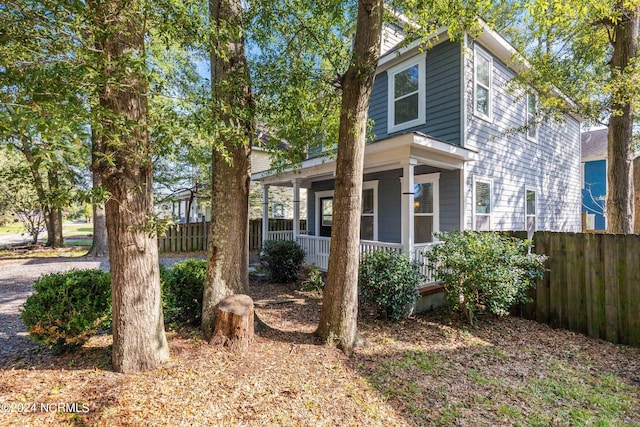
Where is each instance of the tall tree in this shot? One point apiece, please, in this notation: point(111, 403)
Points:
point(139, 341)
point(338, 319)
point(624, 40)
point(589, 51)
point(100, 242)
point(228, 255)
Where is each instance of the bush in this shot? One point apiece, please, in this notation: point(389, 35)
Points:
point(283, 259)
point(485, 271)
point(68, 308)
point(390, 281)
point(169, 304)
point(314, 281)
point(183, 286)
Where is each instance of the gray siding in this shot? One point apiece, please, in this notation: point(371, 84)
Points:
point(442, 98)
point(550, 165)
point(389, 198)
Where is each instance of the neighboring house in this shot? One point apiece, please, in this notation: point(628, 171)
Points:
point(280, 199)
point(594, 178)
point(443, 158)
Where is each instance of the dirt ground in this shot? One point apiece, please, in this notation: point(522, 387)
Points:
point(427, 370)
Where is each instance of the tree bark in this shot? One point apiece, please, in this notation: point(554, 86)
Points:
point(636, 195)
point(620, 199)
point(100, 244)
point(235, 323)
point(338, 319)
point(139, 341)
point(228, 251)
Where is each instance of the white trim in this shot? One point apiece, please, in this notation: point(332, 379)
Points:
point(480, 52)
point(433, 178)
point(463, 91)
point(420, 61)
point(489, 181)
point(373, 185)
point(463, 197)
point(535, 208)
point(533, 119)
point(320, 195)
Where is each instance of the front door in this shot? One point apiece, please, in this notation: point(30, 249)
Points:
point(326, 216)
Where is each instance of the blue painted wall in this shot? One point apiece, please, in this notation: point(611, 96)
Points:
point(389, 198)
point(442, 101)
point(595, 187)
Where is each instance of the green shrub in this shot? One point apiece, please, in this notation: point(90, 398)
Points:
point(68, 308)
point(390, 281)
point(314, 281)
point(183, 286)
point(282, 258)
point(170, 307)
point(485, 271)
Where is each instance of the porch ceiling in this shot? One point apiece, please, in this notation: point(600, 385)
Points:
point(387, 154)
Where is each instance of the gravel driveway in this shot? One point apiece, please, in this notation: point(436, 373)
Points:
point(16, 284)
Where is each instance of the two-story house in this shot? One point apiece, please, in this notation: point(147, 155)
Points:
point(444, 157)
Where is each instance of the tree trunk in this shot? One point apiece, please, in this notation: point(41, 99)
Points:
point(228, 251)
point(636, 189)
point(338, 319)
point(620, 149)
point(100, 245)
point(52, 216)
point(139, 341)
point(234, 323)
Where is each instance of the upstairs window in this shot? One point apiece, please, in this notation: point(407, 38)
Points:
point(532, 128)
point(482, 92)
point(407, 95)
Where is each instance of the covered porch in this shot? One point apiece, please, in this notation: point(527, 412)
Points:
point(402, 201)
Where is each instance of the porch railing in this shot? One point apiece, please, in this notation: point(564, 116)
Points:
point(419, 255)
point(317, 252)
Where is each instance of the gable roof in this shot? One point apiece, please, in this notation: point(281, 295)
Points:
point(594, 143)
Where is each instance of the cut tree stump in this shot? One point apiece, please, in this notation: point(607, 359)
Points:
point(234, 323)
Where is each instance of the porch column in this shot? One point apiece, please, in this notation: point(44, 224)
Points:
point(407, 209)
point(296, 208)
point(265, 212)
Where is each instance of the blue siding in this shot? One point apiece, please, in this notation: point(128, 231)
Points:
point(442, 98)
point(389, 199)
point(595, 190)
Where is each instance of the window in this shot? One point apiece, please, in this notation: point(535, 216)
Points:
point(482, 205)
point(425, 207)
point(327, 212)
point(530, 211)
point(482, 86)
point(368, 215)
point(277, 210)
point(532, 128)
point(407, 92)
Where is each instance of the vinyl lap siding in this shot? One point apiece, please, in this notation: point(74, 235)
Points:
point(442, 97)
point(551, 165)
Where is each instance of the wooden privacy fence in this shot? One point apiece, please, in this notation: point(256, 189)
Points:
point(592, 285)
point(193, 237)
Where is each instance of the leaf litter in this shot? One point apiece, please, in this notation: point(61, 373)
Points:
point(429, 369)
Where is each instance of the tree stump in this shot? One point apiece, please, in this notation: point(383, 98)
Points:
point(234, 323)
